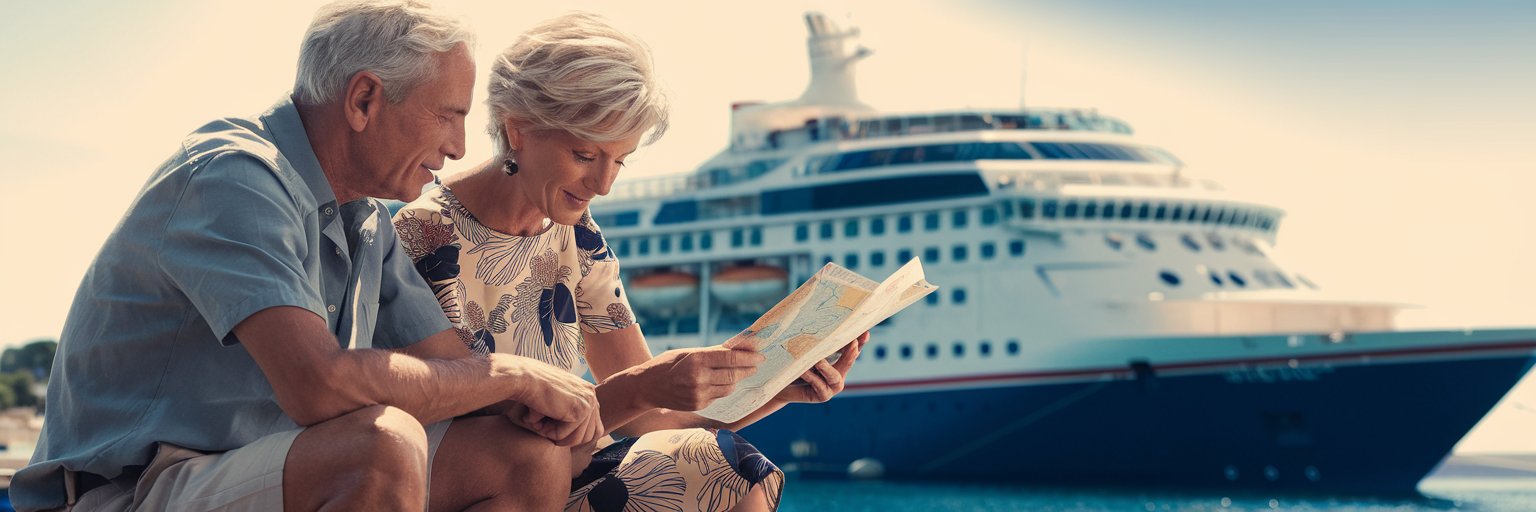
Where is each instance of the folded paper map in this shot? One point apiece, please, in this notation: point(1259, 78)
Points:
point(820, 317)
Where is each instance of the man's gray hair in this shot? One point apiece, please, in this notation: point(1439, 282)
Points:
point(578, 74)
point(396, 40)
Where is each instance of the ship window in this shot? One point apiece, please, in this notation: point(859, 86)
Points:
point(757, 236)
point(906, 351)
point(851, 228)
point(877, 226)
point(957, 296)
point(1007, 209)
point(988, 250)
point(706, 240)
point(1305, 281)
point(903, 256)
point(737, 237)
point(827, 259)
point(1027, 209)
point(1238, 218)
point(931, 254)
point(958, 253)
point(1090, 210)
point(1114, 241)
point(1193, 213)
point(802, 232)
point(1070, 212)
point(851, 260)
point(1217, 243)
point(931, 221)
point(880, 352)
point(984, 348)
point(1237, 279)
point(959, 349)
point(904, 224)
point(1283, 281)
point(1221, 216)
point(1013, 347)
point(988, 215)
point(1261, 277)
point(644, 246)
point(685, 242)
point(1016, 248)
point(960, 218)
point(872, 192)
point(623, 248)
point(613, 220)
point(1145, 211)
point(1048, 210)
point(1189, 241)
point(1145, 241)
point(932, 299)
point(1162, 212)
point(1210, 215)
point(1169, 277)
point(877, 258)
point(1125, 210)
point(1109, 210)
point(1216, 279)
point(677, 212)
point(1178, 212)
point(932, 350)
point(826, 230)
point(664, 244)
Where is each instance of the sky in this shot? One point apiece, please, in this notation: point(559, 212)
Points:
point(1396, 134)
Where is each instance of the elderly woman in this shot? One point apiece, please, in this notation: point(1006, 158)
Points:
point(519, 267)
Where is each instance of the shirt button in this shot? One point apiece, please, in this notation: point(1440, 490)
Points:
point(338, 251)
point(330, 211)
point(331, 308)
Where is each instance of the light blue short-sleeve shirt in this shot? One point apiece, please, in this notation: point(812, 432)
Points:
point(239, 220)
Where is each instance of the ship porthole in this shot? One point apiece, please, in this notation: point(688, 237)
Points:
point(1168, 277)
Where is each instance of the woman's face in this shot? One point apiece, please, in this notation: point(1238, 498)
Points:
point(561, 173)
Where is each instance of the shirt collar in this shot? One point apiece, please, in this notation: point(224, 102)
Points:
point(291, 139)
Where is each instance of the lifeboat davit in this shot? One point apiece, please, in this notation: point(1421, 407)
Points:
point(664, 292)
point(750, 286)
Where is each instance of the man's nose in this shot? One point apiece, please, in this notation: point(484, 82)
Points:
point(454, 149)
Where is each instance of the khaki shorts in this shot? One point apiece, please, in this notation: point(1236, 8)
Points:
point(246, 478)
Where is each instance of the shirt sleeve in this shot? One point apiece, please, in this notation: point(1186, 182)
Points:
point(408, 310)
point(235, 244)
point(601, 302)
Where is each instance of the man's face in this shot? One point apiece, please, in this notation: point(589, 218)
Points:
point(409, 139)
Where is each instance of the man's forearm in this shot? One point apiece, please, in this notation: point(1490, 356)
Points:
point(432, 390)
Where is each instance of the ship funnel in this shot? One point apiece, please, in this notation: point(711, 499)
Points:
point(832, 63)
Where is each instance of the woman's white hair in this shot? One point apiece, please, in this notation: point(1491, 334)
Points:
point(396, 40)
point(578, 74)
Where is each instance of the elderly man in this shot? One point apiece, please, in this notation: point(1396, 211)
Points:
point(252, 337)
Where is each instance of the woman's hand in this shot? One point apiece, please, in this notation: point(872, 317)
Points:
point(553, 403)
point(825, 380)
point(690, 379)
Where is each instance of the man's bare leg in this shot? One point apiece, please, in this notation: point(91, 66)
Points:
point(373, 458)
point(488, 463)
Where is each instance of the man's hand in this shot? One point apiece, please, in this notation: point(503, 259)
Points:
point(692, 378)
point(557, 405)
point(824, 380)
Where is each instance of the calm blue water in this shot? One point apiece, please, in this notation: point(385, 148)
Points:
point(1442, 494)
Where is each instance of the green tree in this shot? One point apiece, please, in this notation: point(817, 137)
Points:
point(35, 358)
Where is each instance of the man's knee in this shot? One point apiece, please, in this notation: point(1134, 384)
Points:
point(391, 434)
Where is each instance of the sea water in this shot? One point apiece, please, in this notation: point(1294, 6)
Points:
point(1498, 494)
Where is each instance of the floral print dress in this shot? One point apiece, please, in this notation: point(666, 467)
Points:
point(534, 296)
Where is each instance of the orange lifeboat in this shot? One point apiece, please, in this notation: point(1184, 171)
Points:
point(664, 292)
point(750, 286)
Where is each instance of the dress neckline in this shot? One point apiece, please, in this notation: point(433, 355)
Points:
point(455, 203)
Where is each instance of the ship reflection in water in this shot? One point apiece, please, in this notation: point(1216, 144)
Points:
point(1105, 317)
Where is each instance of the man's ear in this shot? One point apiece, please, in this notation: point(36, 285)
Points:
point(362, 99)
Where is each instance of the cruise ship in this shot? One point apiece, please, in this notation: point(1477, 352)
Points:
point(1104, 318)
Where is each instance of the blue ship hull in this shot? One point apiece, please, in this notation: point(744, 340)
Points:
point(1369, 428)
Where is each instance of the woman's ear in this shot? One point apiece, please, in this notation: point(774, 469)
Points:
point(514, 133)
